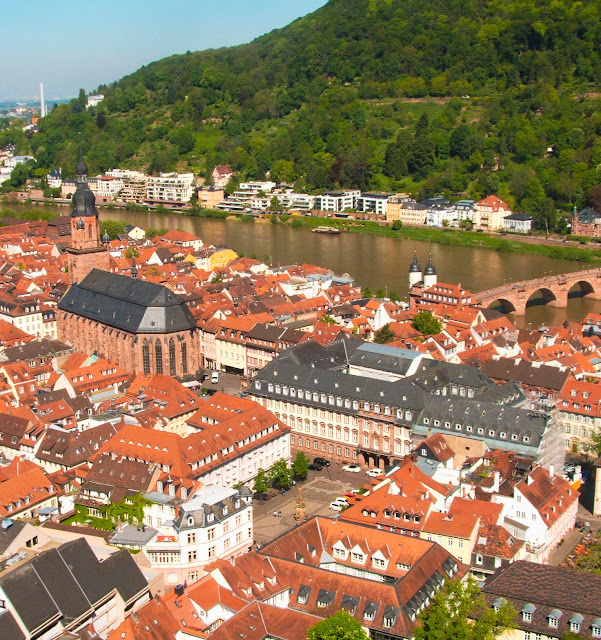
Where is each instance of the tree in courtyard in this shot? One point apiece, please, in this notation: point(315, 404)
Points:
point(261, 483)
point(384, 335)
point(280, 474)
point(459, 612)
point(340, 626)
point(328, 319)
point(426, 323)
point(300, 466)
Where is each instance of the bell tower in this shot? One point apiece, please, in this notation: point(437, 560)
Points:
point(86, 251)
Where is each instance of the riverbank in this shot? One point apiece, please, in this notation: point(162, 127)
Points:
point(445, 237)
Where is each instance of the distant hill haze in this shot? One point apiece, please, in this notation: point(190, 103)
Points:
point(428, 97)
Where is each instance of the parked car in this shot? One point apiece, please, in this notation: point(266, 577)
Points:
point(338, 505)
point(322, 461)
point(215, 377)
point(315, 467)
point(349, 495)
point(374, 473)
point(354, 468)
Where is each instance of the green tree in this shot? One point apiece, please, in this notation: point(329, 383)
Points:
point(340, 626)
point(132, 252)
point(421, 156)
point(151, 232)
point(261, 483)
point(397, 225)
point(280, 474)
point(327, 318)
point(384, 335)
point(300, 466)
point(394, 296)
point(466, 224)
point(112, 227)
point(367, 292)
point(459, 612)
point(426, 323)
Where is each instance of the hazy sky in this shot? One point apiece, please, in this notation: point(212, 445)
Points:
point(68, 44)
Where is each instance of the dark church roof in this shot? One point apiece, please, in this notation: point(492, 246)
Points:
point(128, 304)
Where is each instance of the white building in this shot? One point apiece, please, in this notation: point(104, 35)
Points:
point(170, 187)
point(93, 100)
point(106, 187)
point(337, 200)
point(518, 222)
point(54, 179)
point(438, 214)
point(376, 202)
point(214, 523)
point(13, 161)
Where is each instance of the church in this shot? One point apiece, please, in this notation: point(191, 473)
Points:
point(144, 326)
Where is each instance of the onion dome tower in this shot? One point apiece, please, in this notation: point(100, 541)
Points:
point(86, 251)
point(415, 272)
point(430, 275)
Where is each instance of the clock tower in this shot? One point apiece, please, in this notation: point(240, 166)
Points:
point(86, 251)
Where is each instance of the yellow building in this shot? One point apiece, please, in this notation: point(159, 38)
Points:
point(400, 207)
point(221, 258)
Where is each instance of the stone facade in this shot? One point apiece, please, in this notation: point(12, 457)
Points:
point(173, 354)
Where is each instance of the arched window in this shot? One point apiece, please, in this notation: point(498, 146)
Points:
point(184, 358)
point(158, 355)
point(171, 357)
point(146, 356)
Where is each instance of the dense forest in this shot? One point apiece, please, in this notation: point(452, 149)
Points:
point(462, 97)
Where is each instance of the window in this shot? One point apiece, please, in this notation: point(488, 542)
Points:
point(191, 538)
point(357, 557)
point(146, 356)
point(192, 556)
point(479, 558)
point(596, 630)
point(184, 358)
point(158, 354)
point(211, 533)
point(212, 552)
point(171, 357)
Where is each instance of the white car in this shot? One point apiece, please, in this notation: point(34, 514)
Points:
point(374, 473)
point(215, 377)
point(338, 505)
point(354, 468)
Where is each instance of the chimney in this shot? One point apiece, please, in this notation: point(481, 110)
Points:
point(551, 470)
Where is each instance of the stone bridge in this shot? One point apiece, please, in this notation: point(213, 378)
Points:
point(514, 296)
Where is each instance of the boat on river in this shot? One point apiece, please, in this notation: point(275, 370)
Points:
point(327, 230)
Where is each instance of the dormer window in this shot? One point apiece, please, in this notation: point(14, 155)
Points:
point(575, 623)
point(554, 617)
point(527, 611)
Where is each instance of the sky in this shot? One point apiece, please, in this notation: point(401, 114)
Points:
point(68, 44)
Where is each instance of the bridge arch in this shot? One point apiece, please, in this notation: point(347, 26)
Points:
point(503, 304)
point(585, 288)
point(547, 296)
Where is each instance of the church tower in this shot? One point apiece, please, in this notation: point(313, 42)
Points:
point(86, 251)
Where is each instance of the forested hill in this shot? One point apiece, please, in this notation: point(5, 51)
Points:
point(462, 96)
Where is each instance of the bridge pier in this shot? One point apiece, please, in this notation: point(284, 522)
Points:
point(561, 300)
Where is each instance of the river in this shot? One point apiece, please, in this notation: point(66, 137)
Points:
point(374, 261)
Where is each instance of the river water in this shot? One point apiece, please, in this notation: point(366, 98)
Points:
point(374, 261)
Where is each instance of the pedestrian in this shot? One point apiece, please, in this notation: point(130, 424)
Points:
point(275, 514)
point(279, 514)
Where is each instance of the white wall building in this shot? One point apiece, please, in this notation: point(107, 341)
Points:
point(337, 200)
point(214, 523)
point(170, 187)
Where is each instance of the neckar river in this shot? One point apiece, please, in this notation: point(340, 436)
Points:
point(374, 261)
